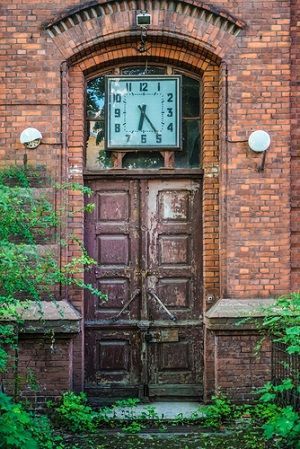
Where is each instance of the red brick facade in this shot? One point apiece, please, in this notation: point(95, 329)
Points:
point(247, 56)
point(43, 369)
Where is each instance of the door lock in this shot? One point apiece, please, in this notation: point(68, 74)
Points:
point(148, 337)
point(153, 337)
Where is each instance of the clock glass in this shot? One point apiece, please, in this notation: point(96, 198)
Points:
point(143, 112)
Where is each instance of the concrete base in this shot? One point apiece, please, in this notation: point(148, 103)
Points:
point(165, 411)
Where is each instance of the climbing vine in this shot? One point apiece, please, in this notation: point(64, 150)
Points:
point(29, 266)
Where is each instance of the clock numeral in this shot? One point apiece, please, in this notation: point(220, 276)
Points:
point(143, 87)
point(158, 87)
point(117, 127)
point(170, 127)
point(127, 137)
point(170, 98)
point(117, 113)
point(143, 138)
point(170, 112)
point(158, 138)
point(128, 87)
point(117, 98)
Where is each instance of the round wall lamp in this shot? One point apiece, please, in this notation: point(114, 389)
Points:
point(30, 138)
point(259, 141)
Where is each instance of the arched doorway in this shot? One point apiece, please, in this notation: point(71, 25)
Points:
point(146, 235)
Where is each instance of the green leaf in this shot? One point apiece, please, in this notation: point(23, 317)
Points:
point(267, 397)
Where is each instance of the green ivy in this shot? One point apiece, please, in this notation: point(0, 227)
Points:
point(18, 175)
point(29, 271)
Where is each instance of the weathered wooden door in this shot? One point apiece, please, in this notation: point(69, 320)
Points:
point(146, 340)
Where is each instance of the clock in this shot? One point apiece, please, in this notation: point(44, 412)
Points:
point(143, 112)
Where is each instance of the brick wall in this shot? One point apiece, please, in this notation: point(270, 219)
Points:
point(242, 53)
point(42, 368)
point(295, 136)
point(254, 206)
point(239, 367)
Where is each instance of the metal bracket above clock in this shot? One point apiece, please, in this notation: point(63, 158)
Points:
point(143, 113)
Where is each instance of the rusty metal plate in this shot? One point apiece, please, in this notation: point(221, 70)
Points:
point(169, 335)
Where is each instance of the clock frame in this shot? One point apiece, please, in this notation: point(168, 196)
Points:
point(143, 113)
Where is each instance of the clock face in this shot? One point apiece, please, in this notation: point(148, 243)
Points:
point(143, 112)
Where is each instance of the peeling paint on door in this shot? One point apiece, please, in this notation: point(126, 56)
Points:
point(147, 339)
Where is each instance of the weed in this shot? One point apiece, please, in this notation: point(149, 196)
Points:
point(105, 415)
point(74, 414)
point(128, 402)
point(218, 412)
point(149, 414)
point(133, 427)
point(127, 407)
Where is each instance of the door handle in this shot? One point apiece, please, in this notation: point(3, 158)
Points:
point(157, 299)
point(132, 298)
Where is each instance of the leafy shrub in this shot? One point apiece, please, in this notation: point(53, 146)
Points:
point(263, 412)
point(282, 425)
point(218, 412)
point(14, 426)
point(74, 414)
point(269, 391)
point(282, 322)
point(21, 430)
point(284, 429)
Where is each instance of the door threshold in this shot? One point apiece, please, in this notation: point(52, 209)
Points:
point(158, 410)
point(167, 410)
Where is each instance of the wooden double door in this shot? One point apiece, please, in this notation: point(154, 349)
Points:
point(146, 340)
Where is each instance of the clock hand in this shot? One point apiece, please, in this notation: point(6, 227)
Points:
point(150, 123)
point(145, 116)
point(142, 109)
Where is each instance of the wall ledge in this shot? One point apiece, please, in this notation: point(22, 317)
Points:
point(228, 313)
point(47, 317)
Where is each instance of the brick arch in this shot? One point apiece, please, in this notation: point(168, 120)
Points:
point(176, 38)
point(78, 31)
point(172, 54)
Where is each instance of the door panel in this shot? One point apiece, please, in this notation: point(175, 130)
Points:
point(174, 255)
point(147, 338)
point(112, 362)
point(174, 250)
point(113, 241)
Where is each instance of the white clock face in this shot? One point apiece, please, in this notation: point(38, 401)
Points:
point(143, 112)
